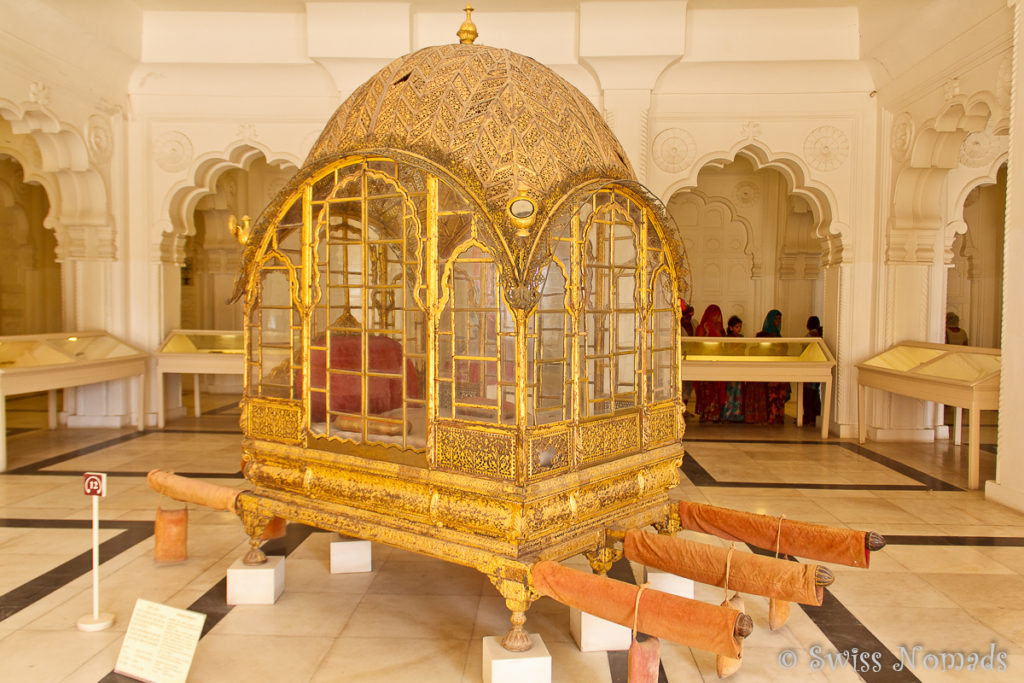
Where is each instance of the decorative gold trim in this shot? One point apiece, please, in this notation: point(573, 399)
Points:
point(477, 451)
point(467, 32)
point(605, 438)
point(274, 420)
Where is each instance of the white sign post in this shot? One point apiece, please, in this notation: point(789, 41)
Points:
point(95, 484)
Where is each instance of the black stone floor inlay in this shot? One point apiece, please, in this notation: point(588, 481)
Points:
point(906, 470)
point(12, 431)
point(701, 477)
point(198, 431)
point(990, 541)
point(214, 602)
point(36, 467)
point(223, 409)
point(849, 637)
point(26, 594)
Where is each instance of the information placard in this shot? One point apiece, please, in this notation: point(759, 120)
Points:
point(160, 643)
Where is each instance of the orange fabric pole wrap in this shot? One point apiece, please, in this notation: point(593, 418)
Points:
point(192, 491)
point(814, 541)
point(707, 564)
point(681, 620)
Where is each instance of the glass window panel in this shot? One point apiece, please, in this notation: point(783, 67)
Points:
point(625, 331)
point(444, 399)
point(508, 405)
point(625, 284)
point(444, 356)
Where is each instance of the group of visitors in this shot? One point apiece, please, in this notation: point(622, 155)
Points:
point(749, 402)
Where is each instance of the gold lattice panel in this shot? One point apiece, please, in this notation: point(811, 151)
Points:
point(553, 448)
point(476, 452)
point(660, 427)
point(274, 421)
point(607, 437)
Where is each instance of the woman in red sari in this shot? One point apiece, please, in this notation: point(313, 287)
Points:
point(710, 395)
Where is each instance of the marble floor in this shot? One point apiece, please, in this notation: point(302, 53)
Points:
point(950, 581)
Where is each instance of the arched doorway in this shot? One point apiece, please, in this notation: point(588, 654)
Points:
point(974, 280)
point(212, 252)
point(753, 245)
point(30, 281)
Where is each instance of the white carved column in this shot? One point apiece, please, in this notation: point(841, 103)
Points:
point(1008, 487)
point(842, 334)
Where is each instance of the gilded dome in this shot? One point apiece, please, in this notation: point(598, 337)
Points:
point(499, 121)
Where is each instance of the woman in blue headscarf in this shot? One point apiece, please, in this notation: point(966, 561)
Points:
point(765, 402)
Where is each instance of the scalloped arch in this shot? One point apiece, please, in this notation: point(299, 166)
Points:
point(707, 201)
point(956, 224)
point(77, 191)
point(201, 180)
point(795, 170)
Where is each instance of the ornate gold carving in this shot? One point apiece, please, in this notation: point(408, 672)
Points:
point(275, 421)
point(602, 559)
point(479, 110)
point(607, 437)
point(549, 453)
point(661, 426)
point(467, 32)
point(476, 452)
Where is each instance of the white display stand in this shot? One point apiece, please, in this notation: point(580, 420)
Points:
point(47, 362)
point(670, 583)
point(763, 359)
point(960, 376)
point(502, 666)
point(197, 352)
point(350, 556)
point(593, 634)
point(260, 584)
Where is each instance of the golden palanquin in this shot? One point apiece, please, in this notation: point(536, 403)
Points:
point(461, 324)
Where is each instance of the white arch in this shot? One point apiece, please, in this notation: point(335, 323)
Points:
point(180, 201)
point(961, 182)
point(76, 190)
point(794, 169)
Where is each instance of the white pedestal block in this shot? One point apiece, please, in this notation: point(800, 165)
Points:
point(350, 556)
point(670, 583)
point(593, 634)
point(502, 666)
point(260, 584)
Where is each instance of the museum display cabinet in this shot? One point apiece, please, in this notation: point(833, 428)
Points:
point(960, 376)
point(197, 352)
point(47, 362)
point(763, 359)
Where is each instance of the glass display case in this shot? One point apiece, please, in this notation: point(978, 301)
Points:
point(47, 362)
point(960, 376)
point(763, 359)
point(197, 352)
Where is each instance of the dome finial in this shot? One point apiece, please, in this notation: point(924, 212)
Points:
point(467, 32)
